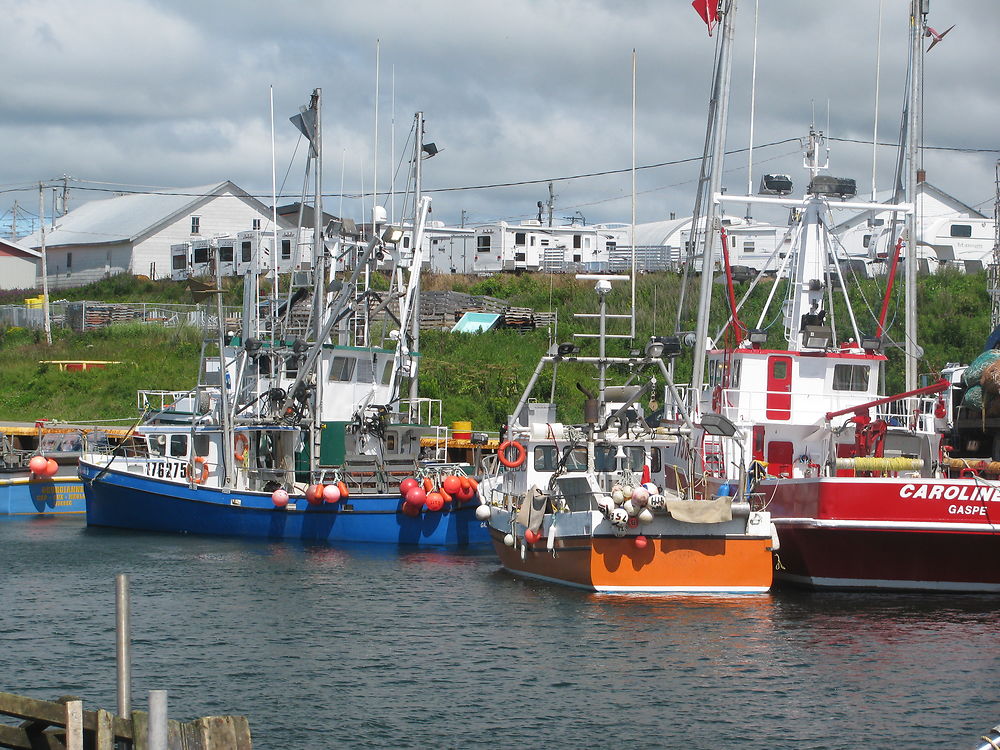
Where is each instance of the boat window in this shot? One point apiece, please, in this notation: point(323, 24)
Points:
point(157, 444)
point(366, 373)
point(201, 445)
point(779, 369)
point(636, 458)
point(655, 464)
point(961, 230)
point(178, 446)
point(576, 459)
point(342, 368)
point(387, 373)
point(734, 374)
point(604, 458)
point(546, 457)
point(850, 377)
point(482, 243)
point(292, 366)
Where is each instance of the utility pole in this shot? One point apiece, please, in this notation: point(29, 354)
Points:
point(13, 222)
point(552, 203)
point(65, 195)
point(465, 246)
point(45, 271)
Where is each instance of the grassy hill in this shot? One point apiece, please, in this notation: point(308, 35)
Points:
point(478, 377)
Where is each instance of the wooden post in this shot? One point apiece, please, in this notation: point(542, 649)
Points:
point(74, 725)
point(104, 738)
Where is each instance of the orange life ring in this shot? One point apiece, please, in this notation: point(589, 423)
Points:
point(240, 446)
point(522, 453)
point(199, 478)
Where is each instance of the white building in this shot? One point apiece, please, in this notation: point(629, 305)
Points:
point(19, 266)
point(532, 246)
point(134, 233)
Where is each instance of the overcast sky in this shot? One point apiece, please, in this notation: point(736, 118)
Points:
point(172, 93)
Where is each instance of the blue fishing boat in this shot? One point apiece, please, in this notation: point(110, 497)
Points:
point(298, 428)
point(50, 485)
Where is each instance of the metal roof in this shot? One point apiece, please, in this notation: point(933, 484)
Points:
point(129, 217)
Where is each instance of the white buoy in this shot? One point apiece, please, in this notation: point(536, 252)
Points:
point(483, 512)
point(629, 507)
point(617, 495)
point(645, 516)
point(509, 540)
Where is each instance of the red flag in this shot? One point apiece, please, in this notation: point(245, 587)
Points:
point(709, 12)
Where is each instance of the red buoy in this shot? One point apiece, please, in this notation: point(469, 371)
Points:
point(435, 501)
point(331, 493)
point(38, 465)
point(640, 542)
point(314, 494)
point(451, 484)
point(411, 510)
point(51, 467)
point(416, 497)
point(532, 536)
point(406, 485)
point(465, 494)
point(280, 498)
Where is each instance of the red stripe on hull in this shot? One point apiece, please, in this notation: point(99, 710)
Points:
point(666, 564)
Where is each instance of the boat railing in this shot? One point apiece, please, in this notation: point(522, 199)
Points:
point(429, 411)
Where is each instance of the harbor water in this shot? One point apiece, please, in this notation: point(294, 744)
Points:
point(381, 647)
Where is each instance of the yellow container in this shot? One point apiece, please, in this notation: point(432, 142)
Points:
point(461, 430)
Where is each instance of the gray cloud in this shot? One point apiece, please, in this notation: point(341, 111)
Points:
point(158, 92)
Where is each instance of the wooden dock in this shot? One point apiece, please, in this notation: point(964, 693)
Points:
point(64, 725)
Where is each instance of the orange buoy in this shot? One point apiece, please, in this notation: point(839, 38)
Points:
point(38, 465)
point(465, 494)
point(51, 467)
point(474, 484)
point(428, 484)
point(280, 498)
point(435, 501)
point(451, 484)
point(411, 510)
point(532, 536)
point(406, 485)
point(464, 481)
point(344, 492)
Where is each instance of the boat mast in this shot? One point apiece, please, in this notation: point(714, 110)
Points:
point(918, 19)
point(418, 152)
point(721, 99)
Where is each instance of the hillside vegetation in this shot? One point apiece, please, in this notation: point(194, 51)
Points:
point(478, 377)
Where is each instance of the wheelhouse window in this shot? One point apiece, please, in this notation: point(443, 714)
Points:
point(850, 377)
point(961, 230)
point(546, 457)
point(178, 446)
point(575, 458)
point(655, 462)
point(342, 368)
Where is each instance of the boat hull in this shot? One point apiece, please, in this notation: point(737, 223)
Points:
point(123, 500)
point(22, 495)
point(886, 533)
point(669, 563)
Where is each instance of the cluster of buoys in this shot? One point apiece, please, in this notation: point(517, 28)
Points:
point(419, 495)
point(316, 494)
point(41, 466)
point(627, 502)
